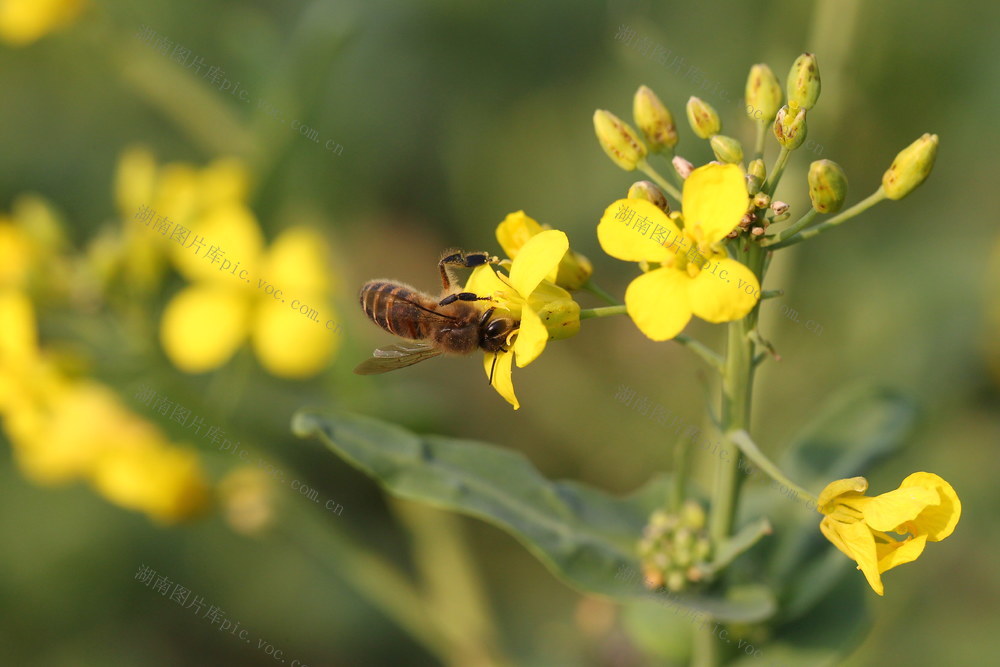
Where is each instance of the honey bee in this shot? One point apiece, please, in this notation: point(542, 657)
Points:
point(454, 324)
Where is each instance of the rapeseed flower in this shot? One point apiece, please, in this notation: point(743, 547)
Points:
point(545, 310)
point(688, 271)
point(924, 508)
point(25, 21)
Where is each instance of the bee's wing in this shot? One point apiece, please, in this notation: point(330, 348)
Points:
point(397, 355)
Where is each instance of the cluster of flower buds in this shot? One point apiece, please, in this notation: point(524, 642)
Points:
point(766, 103)
point(674, 546)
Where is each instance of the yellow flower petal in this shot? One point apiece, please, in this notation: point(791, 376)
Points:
point(18, 332)
point(224, 181)
point(135, 178)
point(888, 511)
point(202, 326)
point(658, 303)
point(176, 193)
point(531, 338)
point(516, 230)
point(500, 365)
point(298, 261)
point(234, 229)
point(290, 344)
point(484, 281)
point(634, 230)
point(853, 486)
point(714, 199)
point(537, 259)
point(892, 553)
point(860, 544)
point(724, 291)
point(939, 520)
point(24, 21)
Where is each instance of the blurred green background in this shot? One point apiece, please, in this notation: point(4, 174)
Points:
point(450, 115)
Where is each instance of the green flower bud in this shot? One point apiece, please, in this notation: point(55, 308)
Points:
point(911, 167)
point(789, 129)
point(676, 581)
point(618, 140)
point(756, 175)
point(648, 191)
point(827, 186)
point(763, 93)
point(654, 119)
point(761, 200)
point(803, 82)
point(703, 118)
point(693, 515)
point(726, 149)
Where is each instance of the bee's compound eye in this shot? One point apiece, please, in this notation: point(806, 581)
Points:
point(496, 328)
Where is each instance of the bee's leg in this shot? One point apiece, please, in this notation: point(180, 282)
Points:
point(463, 296)
point(464, 260)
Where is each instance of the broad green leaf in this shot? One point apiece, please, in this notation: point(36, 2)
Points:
point(855, 429)
point(583, 535)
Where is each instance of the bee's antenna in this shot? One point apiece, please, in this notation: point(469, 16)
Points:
point(494, 366)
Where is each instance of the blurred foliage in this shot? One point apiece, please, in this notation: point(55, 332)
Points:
point(450, 115)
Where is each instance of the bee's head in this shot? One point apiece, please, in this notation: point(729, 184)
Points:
point(494, 334)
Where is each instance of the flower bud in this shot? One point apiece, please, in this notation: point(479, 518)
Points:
point(803, 82)
point(763, 94)
point(654, 119)
point(911, 167)
point(682, 166)
point(789, 129)
point(649, 192)
point(761, 200)
point(726, 149)
point(756, 175)
point(779, 207)
point(618, 140)
point(827, 186)
point(703, 118)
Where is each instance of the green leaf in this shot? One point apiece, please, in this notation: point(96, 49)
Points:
point(856, 428)
point(583, 535)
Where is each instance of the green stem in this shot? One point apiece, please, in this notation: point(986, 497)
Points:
point(793, 229)
point(591, 287)
point(603, 311)
point(699, 348)
point(662, 182)
point(860, 207)
point(705, 651)
point(742, 440)
point(682, 468)
point(775, 174)
point(758, 147)
point(737, 386)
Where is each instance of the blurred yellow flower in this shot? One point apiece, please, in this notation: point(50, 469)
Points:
point(178, 192)
point(24, 21)
point(924, 508)
point(205, 323)
point(544, 310)
point(702, 280)
point(517, 228)
point(31, 246)
point(63, 429)
point(248, 499)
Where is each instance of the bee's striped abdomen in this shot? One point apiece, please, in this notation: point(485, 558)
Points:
point(394, 308)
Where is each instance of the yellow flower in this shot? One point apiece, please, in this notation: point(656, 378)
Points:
point(24, 21)
point(178, 192)
point(694, 275)
point(544, 310)
point(277, 299)
point(62, 430)
point(924, 508)
point(574, 269)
